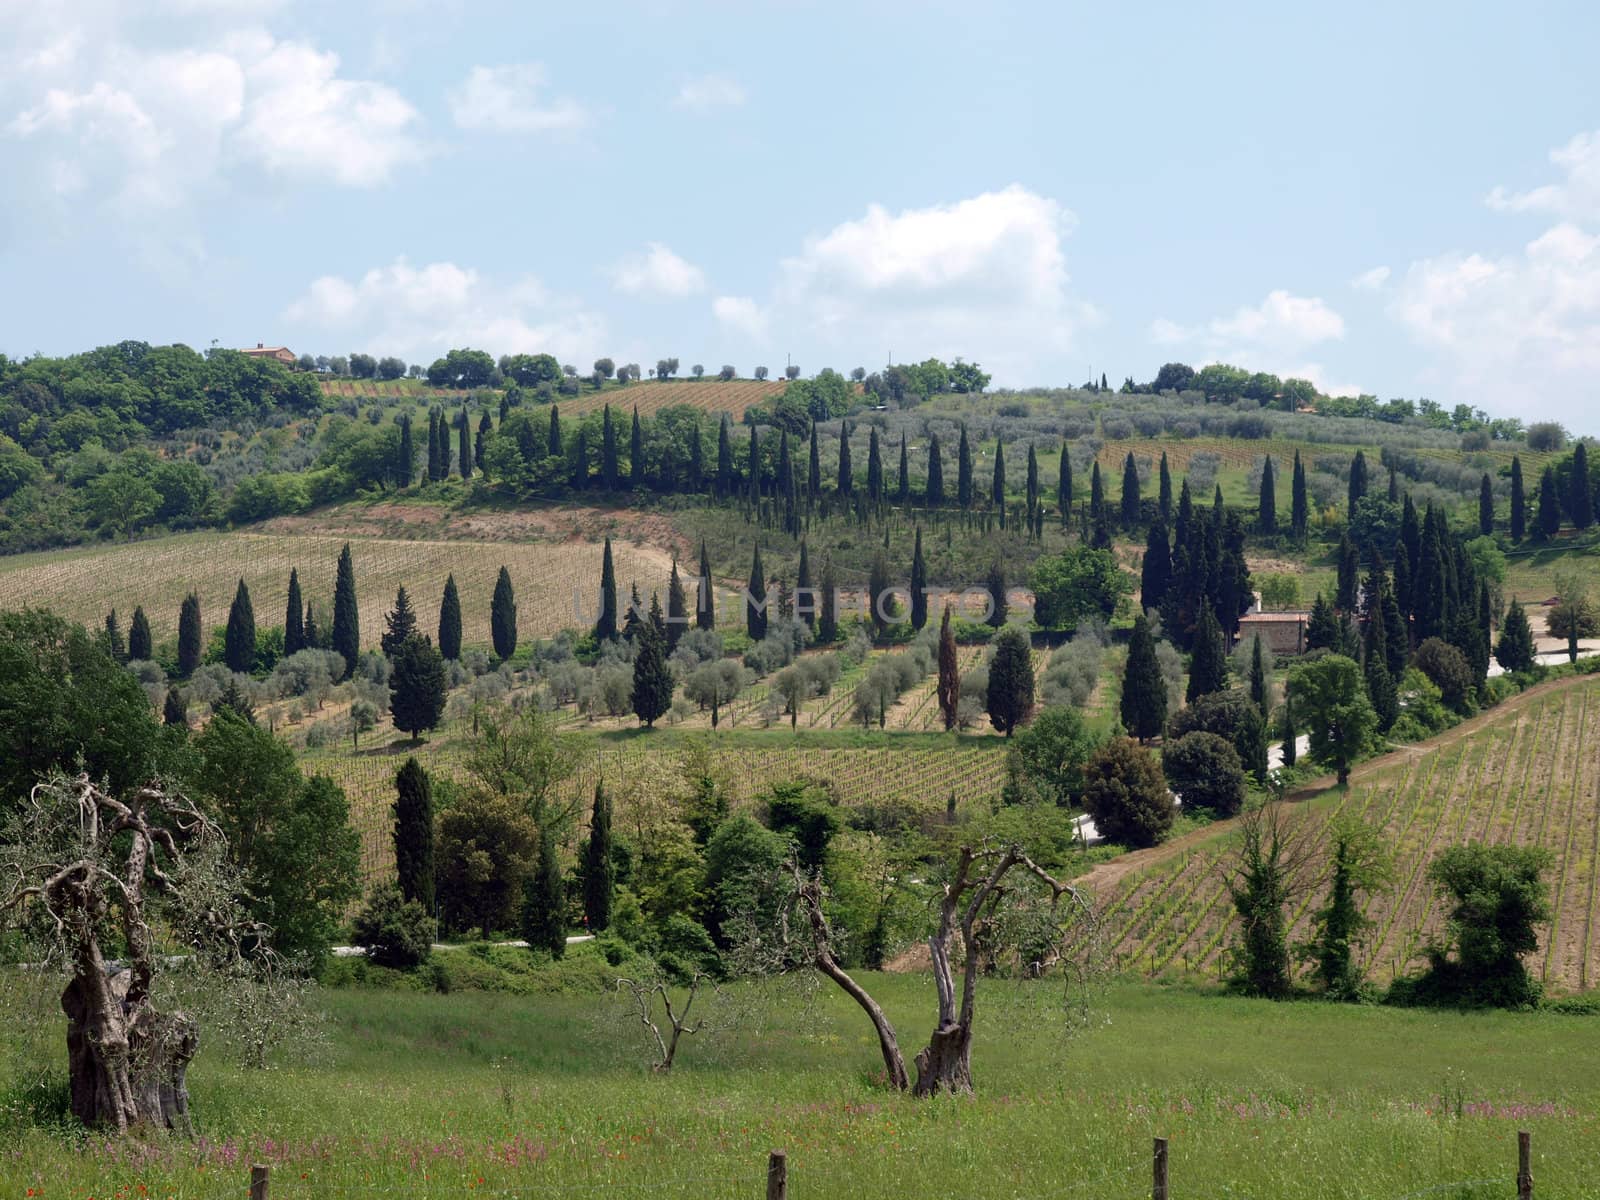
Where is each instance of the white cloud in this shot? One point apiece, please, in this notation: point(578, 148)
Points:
point(1282, 322)
point(742, 315)
point(510, 99)
point(1272, 336)
point(657, 271)
point(1576, 198)
point(710, 92)
point(1371, 281)
point(419, 312)
point(984, 278)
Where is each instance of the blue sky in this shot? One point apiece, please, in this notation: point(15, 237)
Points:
point(1401, 199)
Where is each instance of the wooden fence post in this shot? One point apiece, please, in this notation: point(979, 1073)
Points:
point(1158, 1190)
point(260, 1182)
point(1524, 1166)
point(777, 1176)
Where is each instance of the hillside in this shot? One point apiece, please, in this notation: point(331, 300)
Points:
point(1523, 774)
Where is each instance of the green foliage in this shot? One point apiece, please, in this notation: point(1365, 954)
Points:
point(1208, 665)
point(1048, 757)
point(1448, 670)
point(346, 616)
point(1259, 884)
point(1125, 794)
point(189, 636)
point(1204, 770)
point(413, 834)
point(599, 872)
point(240, 644)
point(652, 678)
point(396, 932)
point(450, 621)
point(503, 617)
point(417, 686)
point(1361, 865)
point(400, 623)
point(485, 848)
point(1144, 689)
point(1077, 583)
point(1010, 694)
point(1515, 649)
point(544, 901)
point(807, 814)
point(1330, 701)
point(740, 858)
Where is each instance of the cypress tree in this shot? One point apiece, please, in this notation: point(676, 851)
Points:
point(239, 642)
point(705, 600)
point(1394, 486)
point(995, 585)
point(652, 679)
point(346, 617)
point(919, 586)
point(1144, 691)
point(635, 613)
point(1519, 502)
point(636, 462)
point(313, 634)
point(1010, 681)
point(753, 469)
point(1165, 500)
point(844, 484)
point(1031, 494)
point(553, 447)
point(1322, 630)
point(544, 915)
point(828, 610)
point(608, 451)
point(949, 672)
point(1580, 499)
point(1349, 575)
point(1155, 574)
point(406, 458)
point(1064, 482)
point(997, 488)
point(1208, 665)
point(417, 687)
point(433, 445)
point(1411, 539)
point(1479, 657)
point(813, 469)
point(503, 617)
point(1547, 521)
point(175, 712)
point(605, 628)
point(902, 487)
point(114, 643)
point(1267, 503)
point(933, 490)
point(1288, 734)
point(1358, 483)
point(724, 459)
point(677, 608)
point(874, 468)
point(964, 472)
point(1515, 650)
point(399, 624)
point(1130, 493)
point(1299, 511)
point(450, 621)
point(140, 645)
point(755, 602)
point(1097, 494)
point(413, 833)
point(481, 442)
point(464, 444)
point(1381, 689)
point(805, 595)
point(599, 875)
point(294, 626)
point(697, 458)
point(580, 459)
point(1258, 675)
point(1485, 506)
point(1396, 636)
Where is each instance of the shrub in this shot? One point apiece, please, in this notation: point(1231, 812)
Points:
point(1448, 669)
point(1204, 770)
point(395, 932)
point(1126, 795)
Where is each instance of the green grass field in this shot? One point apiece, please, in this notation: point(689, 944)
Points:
point(471, 1093)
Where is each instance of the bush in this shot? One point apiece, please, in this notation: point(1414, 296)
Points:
point(1448, 669)
point(395, 932)
point(1204, 770)
point(1126, 795)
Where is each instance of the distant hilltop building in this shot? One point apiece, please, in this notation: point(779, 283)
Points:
point(1280, 632)
point(280, 354)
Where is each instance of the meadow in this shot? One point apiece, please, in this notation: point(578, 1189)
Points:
point(481, 1094)
point(1523, 774)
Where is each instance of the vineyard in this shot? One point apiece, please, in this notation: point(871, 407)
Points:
point(712, 395)
point(552, 581)
point(1525, 776)
point(917, 778)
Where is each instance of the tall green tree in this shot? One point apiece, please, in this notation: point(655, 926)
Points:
point(417, 687)
point(705, 603)
point(503, 617)
point(114, 641)
point(481, 443)
point(964, 471)
point(1165, 499)
point(805, 589)
point(1097, 494)
point(933, 488)
point(1299, 510)
point(605, 628)
point(724, 459)
point(140, 645)
point(999, 603)
point(1519, 502)
point(844, 481)
point(949, 672)
point(1130, 493)
point(1515, 650)
point(433, 445)
point(450, 621)
point(406, 457)
point(1258, 675)
point(813, 469)
point(463, 444)
point(1547, 520)
point(554, 447)
point(636, 463)
point(1267, 501)
point(1208, 664)
point(1010, 696)
point(191, 641)
point(1348, 576)
point(1382, 690)
point(1360, 864)
point(544, 901)
point(294, 627)
point(1155, 573)
point(828, 605)
point(678, 606)
point(413, 833)
point(346, 616)
point(174, 712)
point(1485, 506)
point(1330, 697)
point(399, 623)
point(874, 468)
point(903, 476)
point(1031, 492)
point(599, 872)
point(652, 679)
point(1497, 898)
point(1580, 495)
point(755, 600)
point(1064, 482)
point(608, 451)
point(1144, 690)
point(1358, 483)
point(919, 586)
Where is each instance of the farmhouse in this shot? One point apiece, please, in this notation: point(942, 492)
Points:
point(280, 354)
point(1280, 632)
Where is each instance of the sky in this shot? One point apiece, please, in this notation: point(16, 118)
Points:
point(1396, 199)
